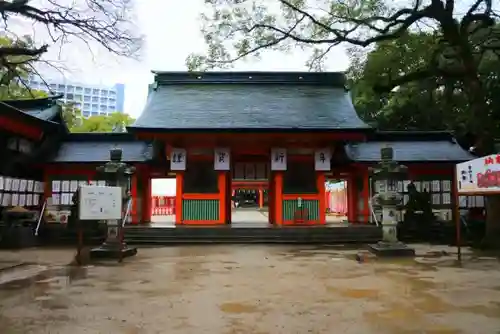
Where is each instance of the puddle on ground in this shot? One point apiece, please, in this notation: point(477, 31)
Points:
point(32, 275)
point(355, 293)
point(238, 308)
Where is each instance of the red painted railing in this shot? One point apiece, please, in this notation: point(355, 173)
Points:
point(162, 205)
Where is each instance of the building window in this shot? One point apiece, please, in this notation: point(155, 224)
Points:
point(86, 98)
point(88, 91)
point(95, 91)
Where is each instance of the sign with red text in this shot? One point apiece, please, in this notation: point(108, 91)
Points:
point(481, 175)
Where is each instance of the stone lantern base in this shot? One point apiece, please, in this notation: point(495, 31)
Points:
point(114, 247)
point(391, 249)
point(105, 252)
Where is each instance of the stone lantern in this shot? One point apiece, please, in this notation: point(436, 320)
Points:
point(388, 172)
point(116, 173)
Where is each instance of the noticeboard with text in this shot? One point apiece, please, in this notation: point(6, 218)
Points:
point(479, 176)
point(100, 203)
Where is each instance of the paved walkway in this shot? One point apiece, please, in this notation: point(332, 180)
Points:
point(254, 289)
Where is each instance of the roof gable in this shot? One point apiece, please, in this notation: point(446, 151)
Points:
point(410, 147)
point(95, 147)
point(42, 111)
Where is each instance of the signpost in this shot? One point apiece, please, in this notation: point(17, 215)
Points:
point(479, 176)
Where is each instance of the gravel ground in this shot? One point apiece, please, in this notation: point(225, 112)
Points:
point(250, 289)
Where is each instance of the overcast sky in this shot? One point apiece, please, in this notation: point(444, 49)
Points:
point(172, 32)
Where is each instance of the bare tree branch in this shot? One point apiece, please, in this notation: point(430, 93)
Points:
point(104, 23)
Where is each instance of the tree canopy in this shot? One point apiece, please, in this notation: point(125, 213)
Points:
point(102, 123)
point(430, 104)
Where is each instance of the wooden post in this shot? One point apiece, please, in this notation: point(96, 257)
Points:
point(456, 215)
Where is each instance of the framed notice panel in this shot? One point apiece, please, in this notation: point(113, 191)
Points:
point(322, 159)
point(178, 159)
point(100, 203)
point(222, 159)
point(278, 159)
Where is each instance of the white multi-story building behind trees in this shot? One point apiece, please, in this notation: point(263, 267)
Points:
point(92, 100)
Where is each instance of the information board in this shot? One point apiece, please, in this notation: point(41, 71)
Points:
point(100, 203)
point(479, 176)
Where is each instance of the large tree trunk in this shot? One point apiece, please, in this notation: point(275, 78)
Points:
point(479, 121)
point(492, 233)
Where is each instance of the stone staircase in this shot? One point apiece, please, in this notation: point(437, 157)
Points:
point(250, 235)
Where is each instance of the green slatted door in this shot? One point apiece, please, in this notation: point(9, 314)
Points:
point(200, 209)
point(291, 206)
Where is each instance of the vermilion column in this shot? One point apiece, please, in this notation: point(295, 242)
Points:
point(261, 198)
point(179, 179)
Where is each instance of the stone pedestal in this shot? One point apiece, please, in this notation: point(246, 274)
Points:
point(391, 249)
point(114, 247)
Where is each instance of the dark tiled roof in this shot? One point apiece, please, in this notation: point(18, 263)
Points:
point(425, 149)
point(45, 109)
point(90, 147)
point(232, 101)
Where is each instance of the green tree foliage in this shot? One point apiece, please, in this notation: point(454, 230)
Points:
point(102, 123)
point(435, 103)
point(14, 69)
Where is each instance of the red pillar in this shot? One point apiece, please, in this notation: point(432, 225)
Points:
point(178, 197)
point(320, 180)
point(351, 198)
point(147, 197)
point(261, 198)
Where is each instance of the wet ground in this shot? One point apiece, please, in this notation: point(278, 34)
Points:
point(250, 289)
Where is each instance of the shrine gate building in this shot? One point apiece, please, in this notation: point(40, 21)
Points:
point(283, 132)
